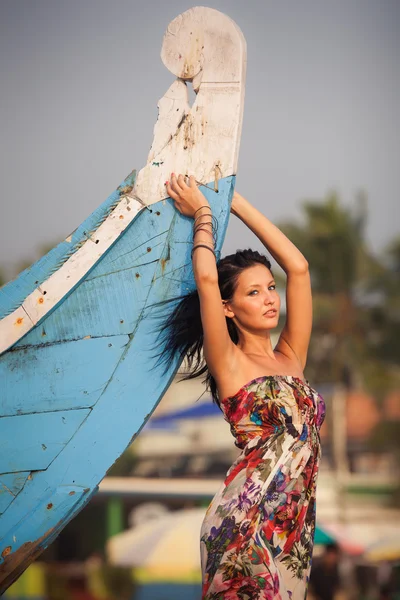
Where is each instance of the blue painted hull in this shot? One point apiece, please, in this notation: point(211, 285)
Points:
point(79, 386)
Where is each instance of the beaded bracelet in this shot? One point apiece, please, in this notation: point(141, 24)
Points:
point(202, 246)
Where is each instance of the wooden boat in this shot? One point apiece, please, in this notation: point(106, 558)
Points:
point(79, 376)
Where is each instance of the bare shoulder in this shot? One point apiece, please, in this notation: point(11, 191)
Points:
point(245, 368)
point(289, 362)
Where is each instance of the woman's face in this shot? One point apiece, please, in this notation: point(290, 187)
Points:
point(255, 303)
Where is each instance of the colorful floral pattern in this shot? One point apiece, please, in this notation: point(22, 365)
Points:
point(258, 533)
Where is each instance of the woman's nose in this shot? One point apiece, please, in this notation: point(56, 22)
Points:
point(269, 298)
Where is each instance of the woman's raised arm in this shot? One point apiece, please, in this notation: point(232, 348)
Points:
point(295, 337)
point(219, 350)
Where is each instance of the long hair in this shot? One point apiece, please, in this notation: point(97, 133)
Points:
point(182, 331)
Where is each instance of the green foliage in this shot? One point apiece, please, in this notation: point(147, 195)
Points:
point(356, 332)
point(386, 439)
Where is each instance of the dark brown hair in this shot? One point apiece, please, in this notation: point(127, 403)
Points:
point(182, 332)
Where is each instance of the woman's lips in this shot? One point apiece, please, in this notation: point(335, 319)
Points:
point(270, 313)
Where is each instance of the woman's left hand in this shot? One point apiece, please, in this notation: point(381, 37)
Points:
point(187, 198)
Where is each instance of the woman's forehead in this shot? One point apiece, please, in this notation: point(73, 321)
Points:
point(259, 274)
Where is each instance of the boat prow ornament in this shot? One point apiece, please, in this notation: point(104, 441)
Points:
point(77, 366)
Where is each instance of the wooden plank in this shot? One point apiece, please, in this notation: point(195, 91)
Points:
point(31, 442)
point(112, 296)
point(10, 485)
point(206, 47)
point(46, 297)
point(14, 293)
point(46, 518)
point(125, 404)
point(56, 377)
point(93, 293)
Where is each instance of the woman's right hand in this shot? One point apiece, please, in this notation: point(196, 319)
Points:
point(187, 198)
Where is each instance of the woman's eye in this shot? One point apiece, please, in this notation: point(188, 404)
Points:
point(272, 286)
point(252, 292)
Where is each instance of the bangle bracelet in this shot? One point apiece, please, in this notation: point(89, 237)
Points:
point(203, 223)
point(205, 206)
point(206, 231)
point(204, 215)
point(201, 246)
point(213, 221)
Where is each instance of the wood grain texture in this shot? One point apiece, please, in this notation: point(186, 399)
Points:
point(207, 48)
point(79, 360)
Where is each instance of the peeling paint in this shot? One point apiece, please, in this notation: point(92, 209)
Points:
point(6, 551)
point(16, 562)
point(165, 260)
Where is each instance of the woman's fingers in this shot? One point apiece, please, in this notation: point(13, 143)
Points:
point(176, 182)
point(181, 181)
point(171, 192)
point(177, 189)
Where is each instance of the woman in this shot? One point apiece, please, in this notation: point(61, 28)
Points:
point(257, 536)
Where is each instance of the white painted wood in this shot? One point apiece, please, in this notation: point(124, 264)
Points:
point(43, 299)
point(206, 47)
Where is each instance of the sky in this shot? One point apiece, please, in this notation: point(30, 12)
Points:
point(80, 82)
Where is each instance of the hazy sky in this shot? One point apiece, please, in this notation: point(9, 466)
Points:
point(80, 81)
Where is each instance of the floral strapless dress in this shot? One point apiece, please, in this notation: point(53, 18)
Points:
point(258, 533)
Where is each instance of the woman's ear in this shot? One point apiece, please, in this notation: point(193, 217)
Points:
point(227, 310)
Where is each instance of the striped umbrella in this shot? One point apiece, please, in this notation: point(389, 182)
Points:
point(384, 550)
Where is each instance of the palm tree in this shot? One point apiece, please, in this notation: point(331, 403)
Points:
point(354, 296)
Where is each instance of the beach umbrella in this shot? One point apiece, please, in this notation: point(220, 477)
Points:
point(385, 550)
point(321, 537)
point(348, 538)
point(167, 548)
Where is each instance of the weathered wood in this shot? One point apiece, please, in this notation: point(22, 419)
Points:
point(56, 376)
point(79, 329)
point(45, 297)
point(31, 442)
point(205, 47)
point(10, 485)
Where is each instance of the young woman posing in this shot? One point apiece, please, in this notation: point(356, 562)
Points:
point(257, 536)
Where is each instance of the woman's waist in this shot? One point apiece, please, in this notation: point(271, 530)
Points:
point(266, 434)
